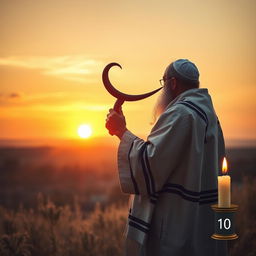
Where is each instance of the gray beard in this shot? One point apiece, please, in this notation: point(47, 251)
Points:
point(162, 102)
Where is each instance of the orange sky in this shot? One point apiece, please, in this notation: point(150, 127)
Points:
point(53, 52)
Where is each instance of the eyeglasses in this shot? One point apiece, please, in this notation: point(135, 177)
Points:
point(163, 80)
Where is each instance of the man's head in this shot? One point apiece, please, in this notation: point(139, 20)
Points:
point(179, 76)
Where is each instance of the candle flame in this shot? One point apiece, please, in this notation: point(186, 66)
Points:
point(224, 166)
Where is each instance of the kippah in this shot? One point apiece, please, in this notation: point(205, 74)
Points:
point(186, 69)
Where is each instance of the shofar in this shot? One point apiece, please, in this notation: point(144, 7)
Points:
point(121, 97)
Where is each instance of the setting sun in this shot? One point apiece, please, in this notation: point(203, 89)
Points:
point(84, 131)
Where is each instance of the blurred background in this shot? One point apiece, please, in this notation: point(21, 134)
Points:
point(59, 188)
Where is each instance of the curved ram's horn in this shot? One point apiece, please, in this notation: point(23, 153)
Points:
point(117, 94)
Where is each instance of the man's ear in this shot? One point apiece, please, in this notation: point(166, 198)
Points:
point(173, 83)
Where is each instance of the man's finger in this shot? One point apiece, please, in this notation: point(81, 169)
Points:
point(113, 115)
point(110, 129)
point(109, 125)
point(110, 114)
point(110, 117)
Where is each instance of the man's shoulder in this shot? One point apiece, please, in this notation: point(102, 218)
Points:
point(175, 113)
point(178, 109)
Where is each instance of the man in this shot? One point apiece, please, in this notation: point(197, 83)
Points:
point(172, 177)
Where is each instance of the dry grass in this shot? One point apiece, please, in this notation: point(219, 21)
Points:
point(50, 230)
point(244, 195)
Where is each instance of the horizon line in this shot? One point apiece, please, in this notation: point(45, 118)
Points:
point(54, 142)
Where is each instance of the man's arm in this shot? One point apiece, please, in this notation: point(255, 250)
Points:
point(144, 166)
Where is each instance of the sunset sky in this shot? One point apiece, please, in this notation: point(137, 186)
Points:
point(53, 52)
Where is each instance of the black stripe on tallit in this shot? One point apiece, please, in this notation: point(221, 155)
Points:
point(195, 109)
point(180, 193)
point(202, 197)
point(209, 191)
point(173, 185)
point(139, 221)
point(135, 225)
point(146, 176)
point(198, 110)
point(152, 183)
point(154, 197)
point(212, 200)
point(191, 192)
point(209, 201)
point(136, 189)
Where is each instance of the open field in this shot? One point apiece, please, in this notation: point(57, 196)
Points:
point(67, 201)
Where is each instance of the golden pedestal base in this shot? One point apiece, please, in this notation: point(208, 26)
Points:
point(222, 213)
point(222, 237)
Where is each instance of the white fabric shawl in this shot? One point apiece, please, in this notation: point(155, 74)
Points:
point(172, 178)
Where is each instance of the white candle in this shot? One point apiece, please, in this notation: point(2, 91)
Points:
point(224, 181)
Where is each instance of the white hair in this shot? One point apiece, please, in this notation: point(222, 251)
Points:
point(162, 102)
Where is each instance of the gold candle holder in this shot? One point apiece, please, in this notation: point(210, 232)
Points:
point(224, 222)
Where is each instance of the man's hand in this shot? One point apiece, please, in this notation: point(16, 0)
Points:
point(115, 123)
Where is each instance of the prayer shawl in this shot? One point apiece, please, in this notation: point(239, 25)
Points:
point(172, 179)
